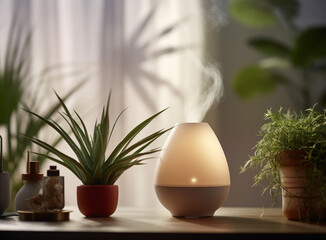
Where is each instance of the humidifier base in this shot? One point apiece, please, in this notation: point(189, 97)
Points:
point(192, 202)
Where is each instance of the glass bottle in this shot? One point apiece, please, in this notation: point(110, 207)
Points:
point(32, 186)
point(53, 189)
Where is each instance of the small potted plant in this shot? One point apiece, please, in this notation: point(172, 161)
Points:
point(292, 158)
point(98, 196)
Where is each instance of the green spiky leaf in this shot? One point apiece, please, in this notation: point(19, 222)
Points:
point(92, 166)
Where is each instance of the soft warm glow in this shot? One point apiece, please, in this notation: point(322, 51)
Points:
point(194, 180)
point(192, 151)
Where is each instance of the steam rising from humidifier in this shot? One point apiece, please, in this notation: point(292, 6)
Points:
point(192, 176)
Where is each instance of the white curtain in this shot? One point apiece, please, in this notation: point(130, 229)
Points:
point(147, 52)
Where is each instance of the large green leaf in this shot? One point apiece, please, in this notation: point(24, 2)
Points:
point(269, 47)
point(263, 13)
point(253, 13)
point(255, 80)
point(310, 46)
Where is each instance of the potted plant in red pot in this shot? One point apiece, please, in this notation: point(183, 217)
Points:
point(292, 155)
point(98, 196)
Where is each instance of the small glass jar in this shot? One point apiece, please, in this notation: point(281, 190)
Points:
point(53, 189)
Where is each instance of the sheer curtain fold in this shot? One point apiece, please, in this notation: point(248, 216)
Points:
point(145, 51)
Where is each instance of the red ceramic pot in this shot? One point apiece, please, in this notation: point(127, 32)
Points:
point(97, 200)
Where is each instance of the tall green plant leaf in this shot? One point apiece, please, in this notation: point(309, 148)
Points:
point(263, 13)
point(270, 47)
point(253, 13)
point(254, 80)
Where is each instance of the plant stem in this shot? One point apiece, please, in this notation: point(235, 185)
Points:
point(9, 140)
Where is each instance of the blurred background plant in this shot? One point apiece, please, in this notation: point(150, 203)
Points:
point(16, 90)
point(295, 61)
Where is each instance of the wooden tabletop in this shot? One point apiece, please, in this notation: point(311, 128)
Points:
point(130, 223)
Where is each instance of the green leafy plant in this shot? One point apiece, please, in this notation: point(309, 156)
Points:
point(297, 62)
point(16, 90)
point(290, 131)
point(92, 166)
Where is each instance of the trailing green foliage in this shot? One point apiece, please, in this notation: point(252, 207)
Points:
point(290, 131)
point(92, 166)
point(300, 51)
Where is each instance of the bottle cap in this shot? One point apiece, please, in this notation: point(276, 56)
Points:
point(32, 173)
point(53, 171)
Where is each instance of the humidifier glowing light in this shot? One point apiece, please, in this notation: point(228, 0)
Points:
point(192, 176)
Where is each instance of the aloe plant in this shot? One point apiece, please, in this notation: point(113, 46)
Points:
point(92, 166)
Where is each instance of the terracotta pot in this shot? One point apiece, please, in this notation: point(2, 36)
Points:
point(298, 201)
point(97, 200)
